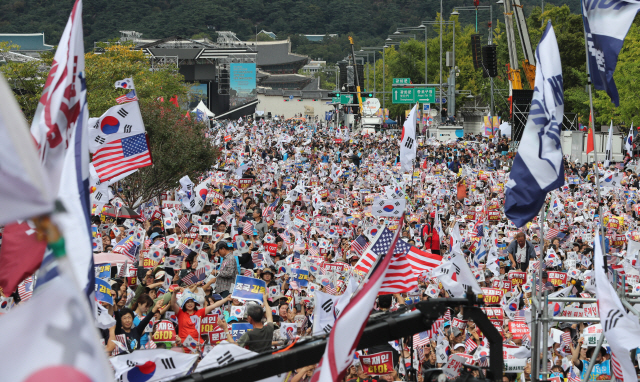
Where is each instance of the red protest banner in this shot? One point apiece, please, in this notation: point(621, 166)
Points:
point(492, 296)
point(517, 278)
point(216, 198)
point(557, 278)
point(209, 323)
point(165, 332)
point(504, 285)
point(518, 329)
point(245, 182)
point(271, 248)
point(377, 364)
point(227, 138)
point(216, 336)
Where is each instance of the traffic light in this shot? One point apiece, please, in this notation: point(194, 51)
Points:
point(334, 94)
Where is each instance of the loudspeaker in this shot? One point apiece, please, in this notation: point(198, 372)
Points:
point(476, 50)
point(520, 105)
point(490, 60)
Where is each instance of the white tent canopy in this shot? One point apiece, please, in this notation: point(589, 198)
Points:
point(203, 108)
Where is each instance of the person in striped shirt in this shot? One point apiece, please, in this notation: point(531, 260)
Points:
point(228, 270)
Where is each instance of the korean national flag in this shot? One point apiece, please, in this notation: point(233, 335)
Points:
point(606, 23)
point(537, 168)
point(127, 83)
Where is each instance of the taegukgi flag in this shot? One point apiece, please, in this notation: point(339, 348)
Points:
point(408, 142)
point(606, 23)
point(538, 168)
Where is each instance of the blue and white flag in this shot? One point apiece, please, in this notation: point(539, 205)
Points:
point(606, 23)
point(537, 168)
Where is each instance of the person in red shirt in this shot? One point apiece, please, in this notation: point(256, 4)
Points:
point(188, 317)
point(430, 236)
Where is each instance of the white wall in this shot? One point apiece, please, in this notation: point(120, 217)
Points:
point(277, 105)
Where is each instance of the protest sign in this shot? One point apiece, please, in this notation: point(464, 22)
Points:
point(216, 336)
point(452, 370)
point(377, 364)
point(504, 285)
point(165, 332)
point(103, 271)
point(103, 291)
point(335, 267)
point(518, 329)
point(238, 329)
point(517, 278)
point(249, 289)
point(301, 277)
point(492, 296)
point(557, 278)
point(208, 323)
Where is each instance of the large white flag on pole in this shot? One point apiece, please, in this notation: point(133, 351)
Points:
point(61, 344)
point(24, 190)
point(609, 152)
point(61, 101)
point(60, 129)
point(408, 142)
point(621, 329)
point(628, 143)
point(538, 167)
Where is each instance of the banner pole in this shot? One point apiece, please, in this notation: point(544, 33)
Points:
point(595, 151)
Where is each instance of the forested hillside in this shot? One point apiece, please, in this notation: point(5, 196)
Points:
point(368, 20)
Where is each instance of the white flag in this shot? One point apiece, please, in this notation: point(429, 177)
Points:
point(127, 83)
point(118, 122)
point(408, 142)
point(323, 313)
point(61, 100)
point(621, 329)
point(388, 207)
point(24, 190)
point(161, 364)
point(608, 154)
point(628, 143)
point(61, 344)
point(456, 277)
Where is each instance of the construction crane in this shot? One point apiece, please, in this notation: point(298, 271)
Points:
point(528, 64)
point(355, 71)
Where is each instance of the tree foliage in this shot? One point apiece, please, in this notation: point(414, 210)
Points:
point(179, 147)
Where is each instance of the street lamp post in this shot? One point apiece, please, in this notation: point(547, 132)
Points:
point(441, 22)
point(425, 45)
point(490, 8)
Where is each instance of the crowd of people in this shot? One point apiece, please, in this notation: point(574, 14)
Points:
point(290, 196)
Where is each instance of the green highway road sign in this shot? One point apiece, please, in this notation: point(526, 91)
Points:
point(425, 95)
point(403, 95)
point(401, 81)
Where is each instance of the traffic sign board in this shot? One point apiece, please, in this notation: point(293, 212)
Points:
point(346, 98)
point(425, 95)
point(403, 95)
point(291, 97)
point(401, 81)
point(335, 99)
point(437, 100)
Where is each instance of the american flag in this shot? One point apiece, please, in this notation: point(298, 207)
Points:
point(25, 288)
point(447, 315)
point(359, 245)
point(565, 340)
point(248, 273)
point(551, 233)
point(226, 205)
point(131, 96)
point(271, 207)
point(519, 316)
point(122, 155)
point(127, 247)
point(331, 289)
point(381, 246)
point(194, 277)
point(616, 367)
point(421, 356)
point(422, 261)
point(421, 339)
point(573, 376)
point(470, 345)
point(184, 224)
point(400, 277)
point(248, 228)
point(121, 344)
point(285, 236)
point(150, 344)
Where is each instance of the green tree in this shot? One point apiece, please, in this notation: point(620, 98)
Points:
point(179, 147)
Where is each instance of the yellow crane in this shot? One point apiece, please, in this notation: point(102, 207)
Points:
point(512, 7)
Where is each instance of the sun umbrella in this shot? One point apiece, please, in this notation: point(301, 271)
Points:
point(125, 213)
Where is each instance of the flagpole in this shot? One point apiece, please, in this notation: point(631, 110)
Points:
point(595, 151)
